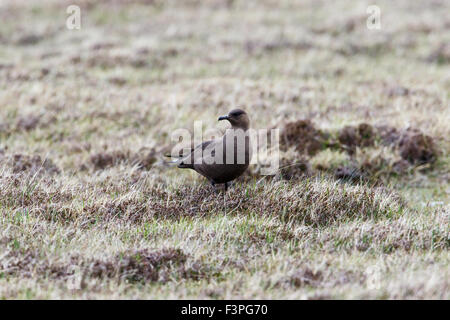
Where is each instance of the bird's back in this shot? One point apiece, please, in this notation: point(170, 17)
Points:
point(225, 159)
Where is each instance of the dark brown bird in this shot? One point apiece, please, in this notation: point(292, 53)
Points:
point(224, 159)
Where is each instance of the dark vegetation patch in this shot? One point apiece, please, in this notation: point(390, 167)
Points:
point(6, 66)
point(106, 60)
point(371, 49)
point(260, 47)
point(302, 278)
point(93, 4)
point(310, 203)
point(380, 166)
point(269, 234)
point(103, 45)
point(27, 123)
point(302, 135)
point(389, 136)
point(133, 119)
point(336, 28)
point(397, 91)
point(20, 191)
point(374, 170)
point(31, 164)
point(4, 128)
point(130, 266)
point(29, 39)
point(388, 237)
point(148, 266)
point(361, 136)
point(291, 171)
point(49, 201)
point(14, 73)
point(144, 159)
point(118, 81)
point(440, 55)
point(306, 277)
point(103, 160)
point(77, 147)
point(417, 148)
point(27, 263)
point(349, 173)
point(411, 146)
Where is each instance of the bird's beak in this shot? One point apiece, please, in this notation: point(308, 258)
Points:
point(223, 118)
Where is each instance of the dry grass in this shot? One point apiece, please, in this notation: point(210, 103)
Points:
point(89, 210)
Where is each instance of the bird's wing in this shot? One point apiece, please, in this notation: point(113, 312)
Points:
point(198, 151)
point(196, 155)
point(202, 145)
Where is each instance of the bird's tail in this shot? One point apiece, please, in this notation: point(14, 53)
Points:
point(177, 161)
point(183, 165)
point(173, 162)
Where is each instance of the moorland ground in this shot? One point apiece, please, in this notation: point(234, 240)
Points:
point(89, 210)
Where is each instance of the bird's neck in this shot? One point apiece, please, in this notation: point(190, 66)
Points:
point(245, 128)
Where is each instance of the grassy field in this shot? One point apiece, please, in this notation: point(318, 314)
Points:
point(88, 210)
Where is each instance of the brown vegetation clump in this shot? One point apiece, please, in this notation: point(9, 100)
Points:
point(131, 266)
point(389, 236)
point(119, 81)
point(29, 263)
point(307, 202)
point(4, 127)
point(413, 145)
point(304, 136)
point(406, 147)
point(379, 166)
point(28, 39)
point(32, 121)
point(145, 265)
point(107, 61)
point(17, 193)
point(397, 91)
point(306, 277)
point(361, 136)
point(28, 123)
point(144, 159)
point(400, 167)
point(294, 169)
point(301, 278)
point(349, 173)
point(389, 136)
point(375, 169)
point(441, 55)
point(257, 47)
point(417, 148)
point(32, 164)
point(102, 160)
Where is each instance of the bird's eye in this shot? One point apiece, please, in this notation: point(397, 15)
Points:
point(236, 114)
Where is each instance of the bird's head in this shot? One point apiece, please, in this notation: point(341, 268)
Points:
point(238, 119)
